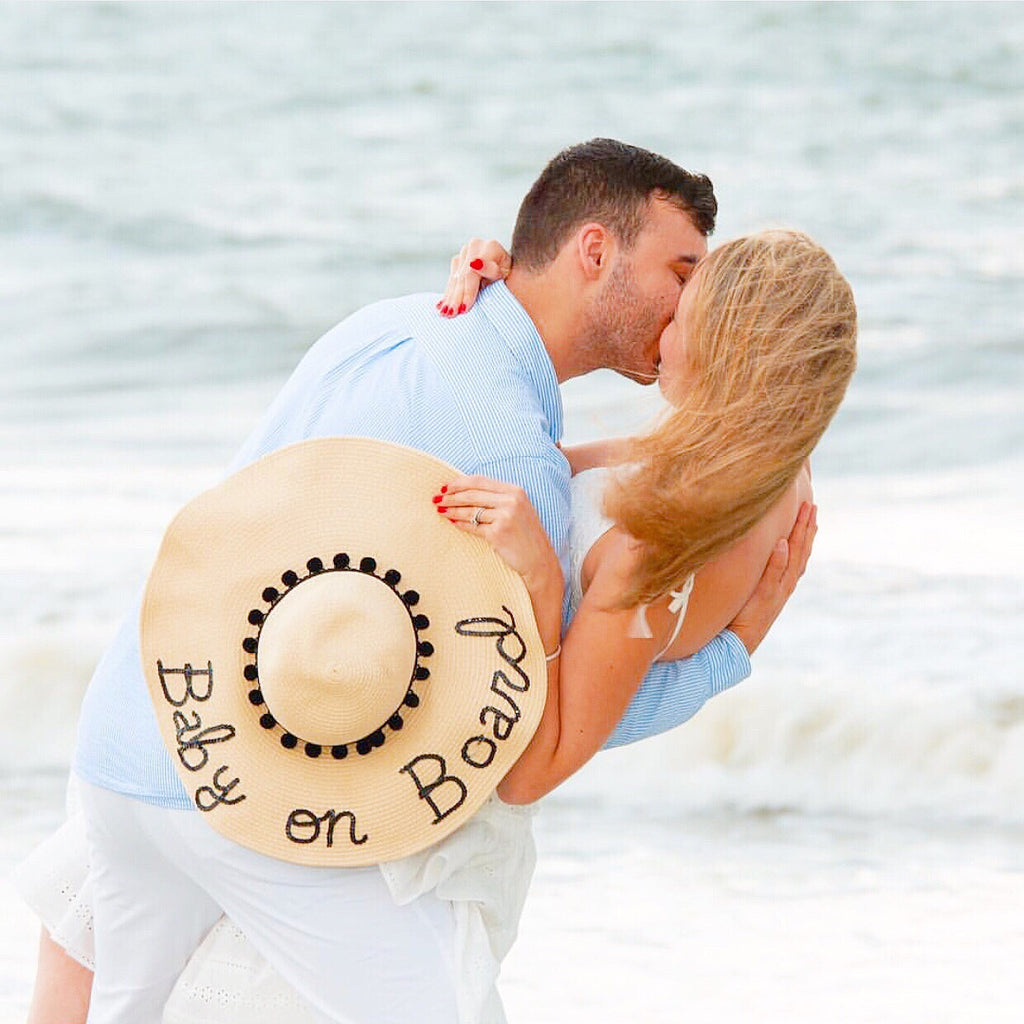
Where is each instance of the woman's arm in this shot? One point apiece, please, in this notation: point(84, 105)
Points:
point(601, 669)
point(722, 587)
point(601, 664)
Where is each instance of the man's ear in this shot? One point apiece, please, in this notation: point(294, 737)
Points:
point(594, 249)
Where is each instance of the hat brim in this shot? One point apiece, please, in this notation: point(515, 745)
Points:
point(338, 504)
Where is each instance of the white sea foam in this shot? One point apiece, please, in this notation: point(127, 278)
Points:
point(828, 746)
point(959, 521)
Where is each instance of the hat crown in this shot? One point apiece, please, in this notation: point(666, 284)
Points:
point(336, 656)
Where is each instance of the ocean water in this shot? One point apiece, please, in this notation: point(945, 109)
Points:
point(191, 194)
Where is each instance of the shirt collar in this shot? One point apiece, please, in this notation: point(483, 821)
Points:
point(513, 324)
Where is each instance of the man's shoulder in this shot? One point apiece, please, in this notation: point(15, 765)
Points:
point(369, 332)
point(467, 374)
point(393, 312)
point(415, 316)
point(474, 335)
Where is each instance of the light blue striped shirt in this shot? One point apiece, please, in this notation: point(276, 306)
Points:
point(479, 392)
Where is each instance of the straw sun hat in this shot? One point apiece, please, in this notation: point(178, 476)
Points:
point(340, 675)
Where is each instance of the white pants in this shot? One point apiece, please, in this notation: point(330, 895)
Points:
point(163, 877)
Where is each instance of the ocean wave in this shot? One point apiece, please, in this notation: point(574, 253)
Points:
point(41, 692)
point(830, 746)
point(93, 219)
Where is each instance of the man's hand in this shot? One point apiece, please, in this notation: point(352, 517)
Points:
point(778, 581)
point(609, 451)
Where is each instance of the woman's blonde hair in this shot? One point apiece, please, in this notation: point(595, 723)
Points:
point(771, 346)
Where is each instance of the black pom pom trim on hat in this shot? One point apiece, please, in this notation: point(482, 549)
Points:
point(341, 562)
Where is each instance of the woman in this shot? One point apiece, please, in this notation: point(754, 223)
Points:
point(756, 363)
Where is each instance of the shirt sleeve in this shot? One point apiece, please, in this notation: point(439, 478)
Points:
point(546, 482)
point(674, 691)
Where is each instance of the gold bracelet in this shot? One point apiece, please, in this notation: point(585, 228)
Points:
point(554, 654)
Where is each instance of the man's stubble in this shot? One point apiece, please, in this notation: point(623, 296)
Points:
point(621, 328)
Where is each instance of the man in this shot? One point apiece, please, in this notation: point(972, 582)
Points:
point(604, 242)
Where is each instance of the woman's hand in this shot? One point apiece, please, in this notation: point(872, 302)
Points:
point(503, 516)
point(477, 264)
point(785, 567)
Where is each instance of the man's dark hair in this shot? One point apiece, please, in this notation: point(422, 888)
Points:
point(609, 182)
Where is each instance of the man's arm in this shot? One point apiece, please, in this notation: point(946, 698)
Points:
point(674, 691)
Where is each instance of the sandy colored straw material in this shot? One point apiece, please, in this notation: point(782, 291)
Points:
point(341, 676)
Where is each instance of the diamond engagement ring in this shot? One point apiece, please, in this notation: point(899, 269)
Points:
point(476, 516)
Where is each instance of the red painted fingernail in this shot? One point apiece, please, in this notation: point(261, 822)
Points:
point(436, 499)
point(437, 305)
point(444, 490)
point(441, 508)
point(462, 308)
point(477, 264)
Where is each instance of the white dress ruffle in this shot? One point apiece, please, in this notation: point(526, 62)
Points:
point(484, 868)
point(54, 881)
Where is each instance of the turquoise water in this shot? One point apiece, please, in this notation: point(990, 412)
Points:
point(191, 194)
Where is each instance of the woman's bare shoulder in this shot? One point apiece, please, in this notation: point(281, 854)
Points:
point(611, 559)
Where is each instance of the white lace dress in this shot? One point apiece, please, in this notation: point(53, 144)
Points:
point(484, 869)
